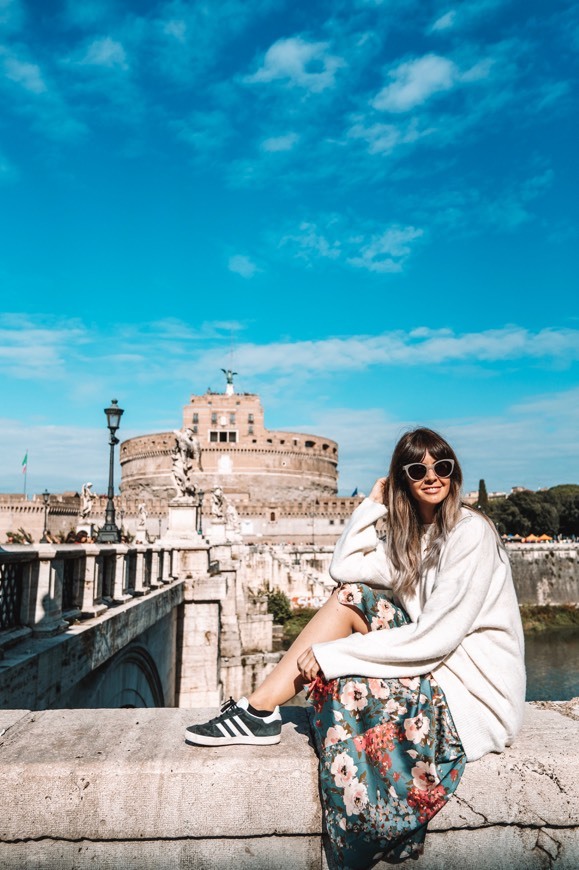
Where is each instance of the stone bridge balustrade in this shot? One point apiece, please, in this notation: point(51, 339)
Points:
point(174, 614)
point(70, 614)
point(62, 583)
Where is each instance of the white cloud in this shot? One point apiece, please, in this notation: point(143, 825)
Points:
point(308, 243)
point(280, 143)
point(299, 63)
point(399, 348)
point(445, 22)
point(386, 252)
point(105, 52)
point(176, 29)
point(36, 350)
point(415, 81)
point(243, 266)
point(24, 73)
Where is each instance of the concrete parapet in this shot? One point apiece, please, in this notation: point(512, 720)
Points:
point(120, 788)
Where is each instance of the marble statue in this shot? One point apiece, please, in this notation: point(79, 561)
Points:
point(232, 522)
point(87, 497)
point(186, 459)
point(217, 503)
point(142, 515)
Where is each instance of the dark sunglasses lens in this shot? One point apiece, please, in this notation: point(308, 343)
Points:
point(416, 471)
point(443, 467)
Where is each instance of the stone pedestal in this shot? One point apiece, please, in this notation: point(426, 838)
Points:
point(141, 537)
point(182, 521)
point(216, 533)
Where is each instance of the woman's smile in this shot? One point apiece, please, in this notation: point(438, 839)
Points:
point(430, 491)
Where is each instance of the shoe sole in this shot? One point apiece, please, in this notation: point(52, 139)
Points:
point(205, 740)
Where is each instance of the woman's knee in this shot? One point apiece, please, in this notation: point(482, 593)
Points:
point(348, 597)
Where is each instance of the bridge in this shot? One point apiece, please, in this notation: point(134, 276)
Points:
point(154, 625)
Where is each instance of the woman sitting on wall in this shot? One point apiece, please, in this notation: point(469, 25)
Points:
point(415, 664)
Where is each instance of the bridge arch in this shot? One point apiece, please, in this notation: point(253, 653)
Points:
point(129, 679)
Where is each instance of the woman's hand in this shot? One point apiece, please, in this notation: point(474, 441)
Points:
point(308, 665)
point(377, 493)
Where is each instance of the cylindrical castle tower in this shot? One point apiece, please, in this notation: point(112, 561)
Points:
point(239, 454)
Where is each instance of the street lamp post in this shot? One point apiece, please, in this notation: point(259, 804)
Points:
point(109, 533)
point(200, 495)
point(46, 499)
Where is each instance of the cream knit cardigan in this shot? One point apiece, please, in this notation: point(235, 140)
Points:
point(465, 630)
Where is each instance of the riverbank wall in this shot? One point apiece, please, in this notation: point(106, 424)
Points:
point(545, 574)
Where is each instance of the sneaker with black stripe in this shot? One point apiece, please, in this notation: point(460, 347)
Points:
point(235, 724)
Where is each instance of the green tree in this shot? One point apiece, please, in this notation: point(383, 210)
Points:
point(508, 518)
point(279, 605)
point(483, 499)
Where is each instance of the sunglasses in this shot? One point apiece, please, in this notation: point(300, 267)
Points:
point(418, 470)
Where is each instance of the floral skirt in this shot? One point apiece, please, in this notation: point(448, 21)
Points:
point(390, 755)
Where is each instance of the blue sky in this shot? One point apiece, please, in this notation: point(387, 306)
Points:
point(368, 208)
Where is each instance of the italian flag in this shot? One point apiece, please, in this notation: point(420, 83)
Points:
point(25, 463)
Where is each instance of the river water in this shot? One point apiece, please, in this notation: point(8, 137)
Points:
point(552, 659)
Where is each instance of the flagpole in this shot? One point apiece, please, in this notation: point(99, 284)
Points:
point(25, 471)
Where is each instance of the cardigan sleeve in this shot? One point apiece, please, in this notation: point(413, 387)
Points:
point(359, 555)
point(461, 586)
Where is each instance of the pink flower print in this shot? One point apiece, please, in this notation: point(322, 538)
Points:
point(410, 682)
point(379, 689)
point(335, 734)
point(378, 624)
point(355, 797)
point(416, 728)
point(424, 775)
point(349, 594)
point(354, 696)
point(391, 706)
point(343, 769)
point(385, 610)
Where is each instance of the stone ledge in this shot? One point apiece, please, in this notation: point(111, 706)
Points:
point(121, 788)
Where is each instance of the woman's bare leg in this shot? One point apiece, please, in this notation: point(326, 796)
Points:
point(332, 621)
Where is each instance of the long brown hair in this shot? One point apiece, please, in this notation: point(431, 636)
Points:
point(403, 522)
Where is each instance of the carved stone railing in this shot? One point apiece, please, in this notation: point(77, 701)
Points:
point(120, 788)
point(44, 588)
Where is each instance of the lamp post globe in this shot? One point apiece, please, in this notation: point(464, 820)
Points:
point(46, 500)
point(109, 533)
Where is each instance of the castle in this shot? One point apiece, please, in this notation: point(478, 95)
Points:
point(249, 462)
point(283, 484)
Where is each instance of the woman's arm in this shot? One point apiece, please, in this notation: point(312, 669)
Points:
point(460, 589)
point(359, 556)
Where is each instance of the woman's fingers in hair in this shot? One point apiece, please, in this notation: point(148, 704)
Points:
point(377, 491)
point(308, 665)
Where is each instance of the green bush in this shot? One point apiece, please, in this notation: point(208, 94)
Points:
point(296, 624)
point(278, 604)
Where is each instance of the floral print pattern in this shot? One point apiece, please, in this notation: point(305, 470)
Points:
point(390, 756)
